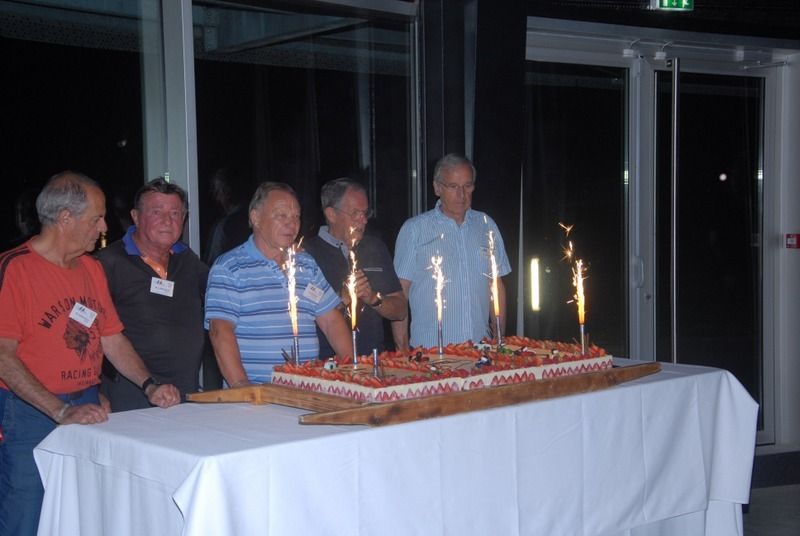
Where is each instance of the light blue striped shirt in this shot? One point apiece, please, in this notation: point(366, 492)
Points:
point(466, 268)
point(251, 292)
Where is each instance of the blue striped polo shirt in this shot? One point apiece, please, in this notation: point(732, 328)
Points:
point(466, 268)
point(251, 292)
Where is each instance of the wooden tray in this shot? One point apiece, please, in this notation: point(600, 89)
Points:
point(337, 410)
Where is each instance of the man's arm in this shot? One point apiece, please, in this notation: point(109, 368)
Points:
point(394, 305)
point(120, 352)
point(335, 329)
point(25, 385)
point(226, 348)
point(400, 327)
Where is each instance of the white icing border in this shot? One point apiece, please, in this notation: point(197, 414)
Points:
point(362, 393)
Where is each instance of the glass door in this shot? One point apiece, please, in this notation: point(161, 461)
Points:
point(715, 317)
point(699, 287)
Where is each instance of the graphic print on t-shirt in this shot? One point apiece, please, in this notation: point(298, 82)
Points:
point(79, 338)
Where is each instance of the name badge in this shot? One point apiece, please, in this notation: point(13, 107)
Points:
point(164, 287)
point(372, 269)
point(82, 315)
point(313, 292)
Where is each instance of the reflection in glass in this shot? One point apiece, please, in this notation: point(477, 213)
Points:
point(574, 170)
point(72, 99)
point(303, 98)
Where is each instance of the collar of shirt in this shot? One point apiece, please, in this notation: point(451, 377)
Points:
point(303, 261)
point(325, 235)
point(255, 253)
point(132, 249)
point(467, 216)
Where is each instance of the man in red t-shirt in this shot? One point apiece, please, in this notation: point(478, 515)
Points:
point(56, 322)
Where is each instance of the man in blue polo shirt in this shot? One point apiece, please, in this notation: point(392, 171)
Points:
point(460, 236)
point(247, 300)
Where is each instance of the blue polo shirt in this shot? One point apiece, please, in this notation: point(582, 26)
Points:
point(466, 268)
point(251, 292)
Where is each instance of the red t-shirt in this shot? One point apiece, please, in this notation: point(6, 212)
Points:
point(38, 310)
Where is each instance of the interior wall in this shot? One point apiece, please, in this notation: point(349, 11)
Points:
point(788, 307)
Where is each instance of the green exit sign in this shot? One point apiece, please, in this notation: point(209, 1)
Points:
point(673, 5)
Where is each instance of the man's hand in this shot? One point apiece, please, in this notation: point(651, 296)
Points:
point(82, 414)
point(344, 295)
point(105, 403)
point(363, 288)
point(163, 396)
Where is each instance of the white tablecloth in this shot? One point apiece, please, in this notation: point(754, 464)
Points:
point(667, 454)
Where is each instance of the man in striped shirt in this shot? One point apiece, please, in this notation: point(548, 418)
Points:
point(247, 301)
point(460, 236)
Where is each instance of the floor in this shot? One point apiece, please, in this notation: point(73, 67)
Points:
point(773, 511)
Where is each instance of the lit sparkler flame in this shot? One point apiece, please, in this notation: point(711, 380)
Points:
point(290, 269)
point(438, 276)
point(578, 277)
point(569, 252)
point(351, 289)
point(495, 289)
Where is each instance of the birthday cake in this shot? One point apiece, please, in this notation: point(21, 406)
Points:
point(460, 367)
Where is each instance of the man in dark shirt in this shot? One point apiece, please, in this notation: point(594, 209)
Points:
point(378, 291)
point(158, 287)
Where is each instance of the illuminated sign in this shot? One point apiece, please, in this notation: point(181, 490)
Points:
point(673, 5)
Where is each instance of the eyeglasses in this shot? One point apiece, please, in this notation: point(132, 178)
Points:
point(356, 214)
point(466, 188)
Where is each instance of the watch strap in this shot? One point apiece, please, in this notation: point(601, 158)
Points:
point(147, 383)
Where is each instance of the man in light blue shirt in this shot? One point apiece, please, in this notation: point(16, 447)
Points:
point(460, 236)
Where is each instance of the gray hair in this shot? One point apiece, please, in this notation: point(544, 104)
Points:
point(450, 161)
point(263, 191)
point(63, 191)
point(333, 191)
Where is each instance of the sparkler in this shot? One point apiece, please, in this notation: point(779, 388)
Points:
point(290, 268)
point(436, 264)
point(495, 288)
point(580, 299)
point(578, 277)
point(351, 289)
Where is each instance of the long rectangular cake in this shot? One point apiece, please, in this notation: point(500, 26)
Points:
point(423, 372)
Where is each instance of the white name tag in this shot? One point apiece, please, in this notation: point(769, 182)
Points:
point(82, 315)
point(164, 287)
point(313, 293)
point(372, 269)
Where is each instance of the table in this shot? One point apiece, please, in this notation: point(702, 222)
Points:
point(670, 453)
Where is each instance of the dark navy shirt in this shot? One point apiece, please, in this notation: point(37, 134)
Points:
point(373, 258)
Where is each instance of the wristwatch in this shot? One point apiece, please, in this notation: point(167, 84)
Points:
point(147, 383)
point(378, 300)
